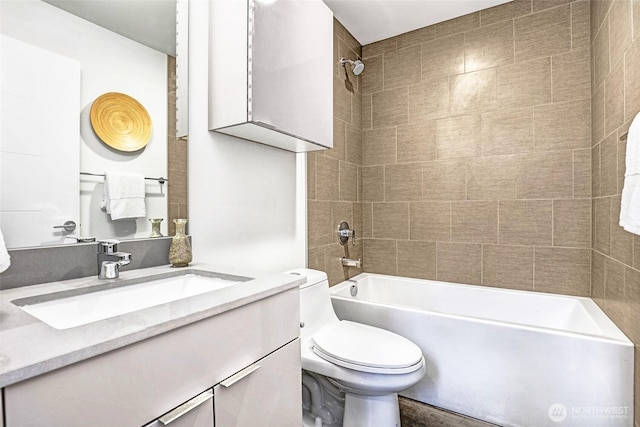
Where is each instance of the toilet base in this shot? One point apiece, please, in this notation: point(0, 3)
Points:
point(371, 411)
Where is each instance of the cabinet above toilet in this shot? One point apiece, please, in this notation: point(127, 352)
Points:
point(271, 72)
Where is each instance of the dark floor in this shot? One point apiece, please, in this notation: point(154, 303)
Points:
point(417, 414)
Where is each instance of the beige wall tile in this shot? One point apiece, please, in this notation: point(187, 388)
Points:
point(545, 175)
point(619, 30)
point(367, 106)
point(444, 180)
point(457, 25)
point(505, 11)
point(597, 278)
point(421, 35)
point(582, 173)
point(489, 46)
point(571, 75)
point(458, 137)
point(321, 231)
point(342, 33)
point(474, 222)
point(459, 262)
point(539, 5)
point(543, 34)
point(378, 146)
point(339, 140)
point(622, 154)
point(367, 220)
point(609, 166)
point(632, 295)
point(601, 225)
point(402, 67)
point(372, 80)
point(379, 47)
point(632, 80)
point(379, 256)
point(636, 24)
point(429, 100)
point(353, 145)
point(492, 178)
point(525, 83)
point(417, 259)
point(572, 223)
point(334, 269)
point(563, 125)
point(580, 25)
point(443, 57)
point(430, 221)
point(316, 258)
point(614, 290)
point(621, 240)
point(417, 143)
point(348, 181)
point(372, 183)
point(614, 99)
point(595, 171)
point(403, 183)
point(327, 178)
point(525, 222)
point(507, 266)
point(563, 271)
point(507, 131)
point(391, 221)
point(341, 211)
point(597, 115)
point(473, 92)
point(600, 54)
point(311, 176)
point(390, 108)
point(341, 101)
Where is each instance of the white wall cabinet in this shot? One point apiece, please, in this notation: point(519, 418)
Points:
point(138, 383)
point(271, 72)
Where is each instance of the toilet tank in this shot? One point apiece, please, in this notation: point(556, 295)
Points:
point(315, 302)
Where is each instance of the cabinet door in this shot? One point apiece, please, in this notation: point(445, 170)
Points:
point(266, 393)
point(197, 412)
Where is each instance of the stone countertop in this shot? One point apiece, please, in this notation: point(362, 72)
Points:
point(30, 347)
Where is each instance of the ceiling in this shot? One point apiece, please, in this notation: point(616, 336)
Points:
point(152, 22)
point(373, 20)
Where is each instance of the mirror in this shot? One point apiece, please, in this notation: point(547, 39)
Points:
point(58, 57)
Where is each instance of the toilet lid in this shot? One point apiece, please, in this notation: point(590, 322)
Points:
point(366, 348)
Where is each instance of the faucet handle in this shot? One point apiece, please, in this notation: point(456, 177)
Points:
point(108, 246)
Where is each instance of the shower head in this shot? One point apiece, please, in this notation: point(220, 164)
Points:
point(358, 65)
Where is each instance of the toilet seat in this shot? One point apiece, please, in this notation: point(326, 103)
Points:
point(366, 348)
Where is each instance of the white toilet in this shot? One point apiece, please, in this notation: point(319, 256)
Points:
point(351, 372)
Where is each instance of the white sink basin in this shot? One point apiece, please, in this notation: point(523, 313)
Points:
point(67, 311)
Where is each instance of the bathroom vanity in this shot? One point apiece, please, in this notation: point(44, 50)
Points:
point(230, 356)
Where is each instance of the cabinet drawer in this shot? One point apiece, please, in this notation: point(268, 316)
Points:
point(198, 412)
point(135, 384)
point(266, 393)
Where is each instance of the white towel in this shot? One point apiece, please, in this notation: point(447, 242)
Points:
point(5, 259)
point(630, 205)
point(124, 194)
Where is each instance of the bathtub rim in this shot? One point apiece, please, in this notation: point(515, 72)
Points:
point(610, 333)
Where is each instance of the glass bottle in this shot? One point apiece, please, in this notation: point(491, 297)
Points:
point(180, 250)
point(155, 227)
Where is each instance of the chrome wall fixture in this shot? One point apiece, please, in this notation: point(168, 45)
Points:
point(357, 66)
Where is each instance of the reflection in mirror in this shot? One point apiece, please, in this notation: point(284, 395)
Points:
point(54, 65)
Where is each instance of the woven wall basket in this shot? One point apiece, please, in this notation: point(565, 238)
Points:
point(121, 122)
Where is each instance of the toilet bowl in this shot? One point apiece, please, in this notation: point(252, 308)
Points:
point(356, 368)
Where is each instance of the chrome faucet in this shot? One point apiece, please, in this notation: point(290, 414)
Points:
point(110, 260)
point(347, 262)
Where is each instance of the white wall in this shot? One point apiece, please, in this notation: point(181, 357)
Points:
point(247, 201)
point(109, 63)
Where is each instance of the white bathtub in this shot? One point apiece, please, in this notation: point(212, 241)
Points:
point(513, 358)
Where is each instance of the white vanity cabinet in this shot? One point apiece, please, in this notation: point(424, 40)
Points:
point(271, 72)
point(137, 384)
